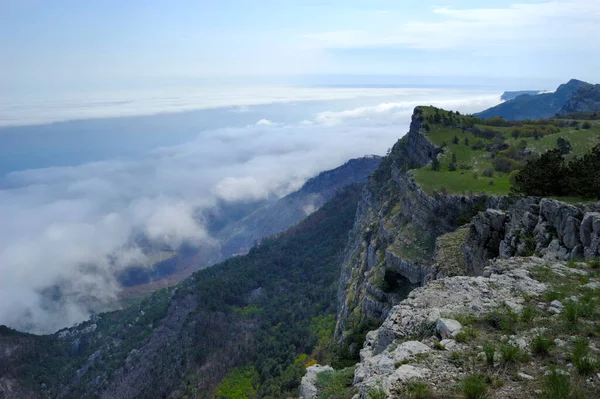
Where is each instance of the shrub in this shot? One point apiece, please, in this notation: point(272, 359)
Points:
point(540, 345)
point(586, 125)
point(474, 387)
point(489, 351)
point(419, 390)
point(438, 346)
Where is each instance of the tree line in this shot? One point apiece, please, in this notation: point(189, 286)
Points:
point(552, 175)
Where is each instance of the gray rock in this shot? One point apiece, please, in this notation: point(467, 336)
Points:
point(524, 376)
point(408, 349)
point(571, 233)
point(407, 372)
point(447, 328)
point(448, 343)
point(308, 386)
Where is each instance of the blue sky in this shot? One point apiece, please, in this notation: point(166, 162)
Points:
point(70, 42)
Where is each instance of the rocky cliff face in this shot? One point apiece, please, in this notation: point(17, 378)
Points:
point(544, 227)
point(403, 237)
point(392, 245)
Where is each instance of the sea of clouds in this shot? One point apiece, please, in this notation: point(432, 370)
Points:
point(66, 231)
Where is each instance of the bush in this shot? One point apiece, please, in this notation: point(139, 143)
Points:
point(586, 125)
point(474, 387)
point(540, 345)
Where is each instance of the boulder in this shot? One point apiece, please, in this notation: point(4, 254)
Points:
point(408, 349)
point(447, 328)
point(407, 372)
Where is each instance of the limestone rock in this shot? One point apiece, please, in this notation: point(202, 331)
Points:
point(407, 372)
point(308, 386)
point(447, 328)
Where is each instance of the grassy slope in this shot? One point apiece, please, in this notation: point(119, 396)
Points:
point(463, 181)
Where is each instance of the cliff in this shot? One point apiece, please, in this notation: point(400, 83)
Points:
point(492, 269)
point(392, 245)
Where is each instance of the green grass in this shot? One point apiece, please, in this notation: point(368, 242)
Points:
point(540, 345)
point(336, 384)
point(461, 181)
point(474, 387)
point(457, 183)
point(489, 351)
point(510, 354)
point(419, 390)
point(557, 386)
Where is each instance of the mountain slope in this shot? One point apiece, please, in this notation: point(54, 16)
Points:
point(240, 236)
point(262, 310)
point(238, 227)
point(544, 105)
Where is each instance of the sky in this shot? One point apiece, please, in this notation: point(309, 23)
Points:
point(72, 43)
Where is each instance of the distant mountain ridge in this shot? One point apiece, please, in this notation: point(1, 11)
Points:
point(573, 96)
point(510, 95)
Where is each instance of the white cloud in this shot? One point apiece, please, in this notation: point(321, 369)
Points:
point(520, 26)
point(264, 122)
point(74, 227)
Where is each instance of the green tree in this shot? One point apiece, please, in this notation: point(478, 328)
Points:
point(435, 164)
point(543, 176)
point(563, 145)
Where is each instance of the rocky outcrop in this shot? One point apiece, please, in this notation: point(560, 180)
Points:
point(390, 355)
point(546, 227)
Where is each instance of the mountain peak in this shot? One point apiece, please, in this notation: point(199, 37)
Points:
point(572, 85)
